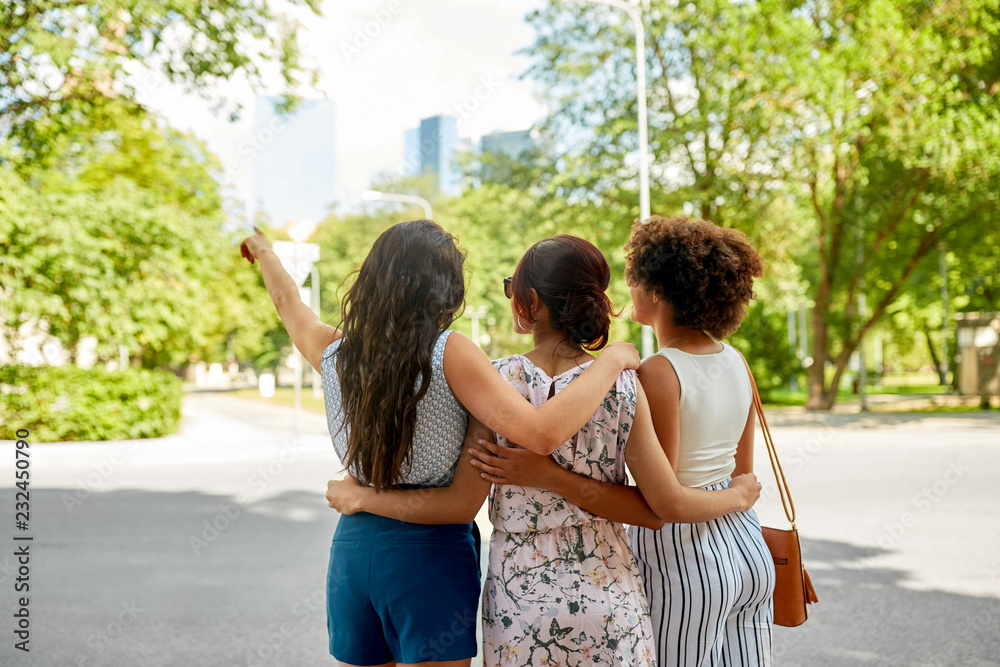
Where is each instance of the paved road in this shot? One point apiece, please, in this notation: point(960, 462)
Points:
point(210, 547)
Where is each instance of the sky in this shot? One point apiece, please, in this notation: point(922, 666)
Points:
point(386, 64)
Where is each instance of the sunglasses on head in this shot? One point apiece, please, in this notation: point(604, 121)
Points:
point(507, 291)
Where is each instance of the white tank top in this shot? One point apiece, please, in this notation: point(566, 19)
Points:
point(715, 402)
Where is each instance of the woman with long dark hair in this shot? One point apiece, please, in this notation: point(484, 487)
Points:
point(709, 583)
point(398, 389)
point(563, 587)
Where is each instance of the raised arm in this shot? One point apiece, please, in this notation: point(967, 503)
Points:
point(457, 503)
point(308, 333)
point(485, 394)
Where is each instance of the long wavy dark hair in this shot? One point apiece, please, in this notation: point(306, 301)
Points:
point(408, 290)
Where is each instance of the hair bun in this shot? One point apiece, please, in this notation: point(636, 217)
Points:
point(570, 275)
point(586, 317)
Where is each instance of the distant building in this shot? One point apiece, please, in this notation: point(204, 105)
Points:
point(431, 148)
point(294, 161)
point(500, 150)
point(411, 152)
point(512, 144)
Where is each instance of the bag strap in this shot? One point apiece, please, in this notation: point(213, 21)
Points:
point(779, 474)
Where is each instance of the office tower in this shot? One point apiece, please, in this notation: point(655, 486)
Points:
point(294, 162)
point(411, 152)
point(431, 148)
point(500, 150)
point(512, 144)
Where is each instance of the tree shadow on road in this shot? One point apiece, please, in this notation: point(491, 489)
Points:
point(868, 616)
point(150, 578)
point(163, 579)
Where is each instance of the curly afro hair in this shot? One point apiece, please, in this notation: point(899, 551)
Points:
point(704, 271)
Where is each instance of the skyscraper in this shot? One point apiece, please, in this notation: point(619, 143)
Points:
point(294, 161)
point(500, 151)
point(511, 144)
point(431, 149)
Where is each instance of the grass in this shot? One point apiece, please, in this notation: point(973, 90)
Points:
point(284, 396)
point(786, 397)
point(900, 390)
point(893, 386)
point(914, 379)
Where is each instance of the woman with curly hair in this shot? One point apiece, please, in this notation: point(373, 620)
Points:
point(563, 587)
point(709, 584)
point(399, 386)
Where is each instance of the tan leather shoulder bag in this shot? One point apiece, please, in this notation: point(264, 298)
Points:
point(793, 589)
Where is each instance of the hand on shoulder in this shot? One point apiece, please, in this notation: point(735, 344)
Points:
point(623, 354)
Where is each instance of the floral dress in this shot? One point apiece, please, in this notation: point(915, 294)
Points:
point(563, 587)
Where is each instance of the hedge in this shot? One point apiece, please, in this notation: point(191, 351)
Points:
point(61, 403)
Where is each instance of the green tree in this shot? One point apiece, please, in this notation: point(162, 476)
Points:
point(719, 75)
point(344, 242)
point(118, 266)
point(495, 224)
point(249, 324)
point(899, 131)
point(848, 139)
point(87, 148)
point(60, 54)
point(720, 83)
point(112, 223)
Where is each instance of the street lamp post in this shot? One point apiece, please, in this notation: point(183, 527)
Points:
point(640, 57)
point(943, 267)
point(376, 195)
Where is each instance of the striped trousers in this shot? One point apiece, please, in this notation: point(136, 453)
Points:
point(710, 588)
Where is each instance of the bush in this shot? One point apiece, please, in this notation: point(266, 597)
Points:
point(69, 403)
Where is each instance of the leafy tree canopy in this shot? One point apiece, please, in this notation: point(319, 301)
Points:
point(60, 53)
point(849, 139)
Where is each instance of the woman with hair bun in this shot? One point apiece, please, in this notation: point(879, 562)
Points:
point(709, 584)
point(563, 587)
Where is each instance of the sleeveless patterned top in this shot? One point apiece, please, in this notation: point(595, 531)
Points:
point(596, 451)
point(439, 432)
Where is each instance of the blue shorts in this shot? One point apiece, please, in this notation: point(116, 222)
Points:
point(402, 592)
